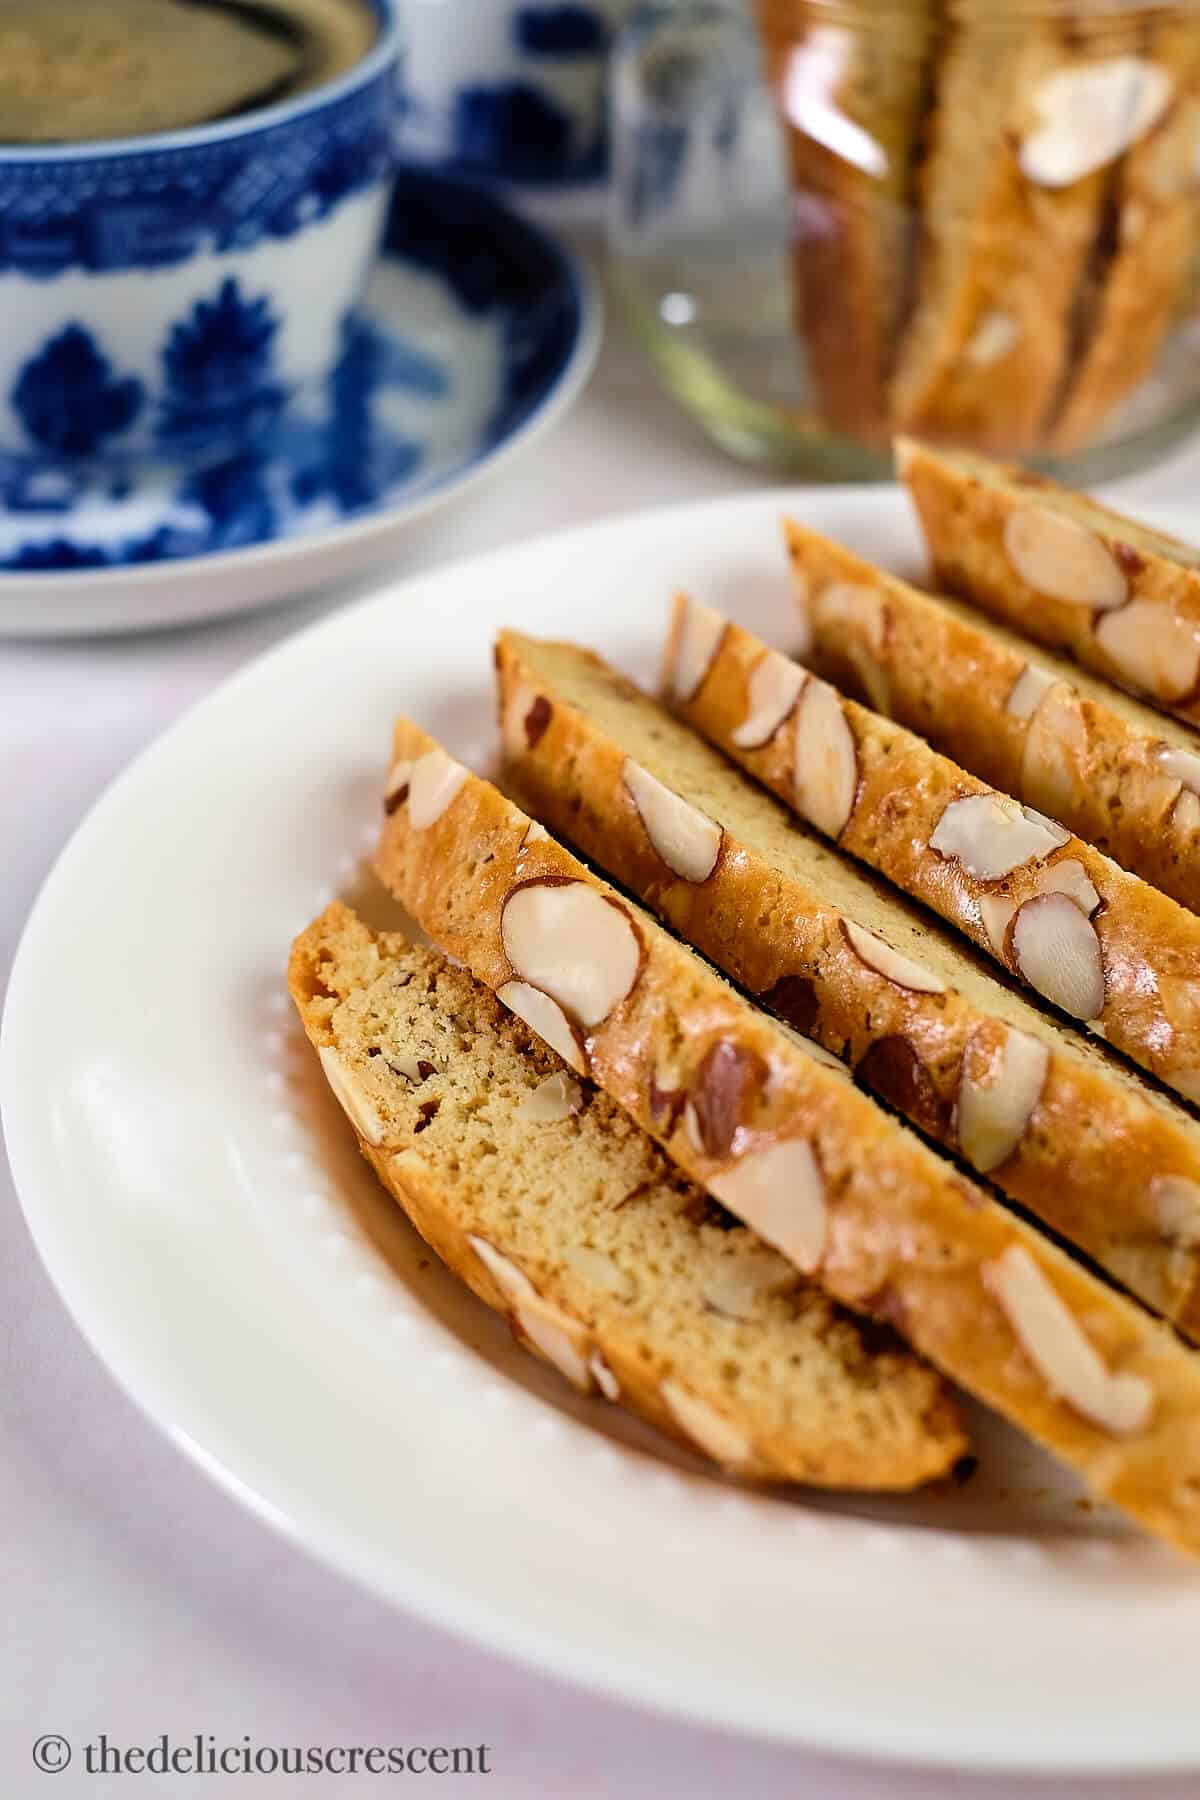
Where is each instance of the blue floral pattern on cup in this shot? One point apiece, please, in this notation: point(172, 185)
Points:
point(218, 373)
point(337, 455)
point(181, 290)
point(70, 400)
point(156, 208)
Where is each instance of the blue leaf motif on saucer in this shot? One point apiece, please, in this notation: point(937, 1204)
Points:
point(70, 400)
point(472, 321)
point(218, 366)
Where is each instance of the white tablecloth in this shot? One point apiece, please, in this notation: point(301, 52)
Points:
point(136, 1598)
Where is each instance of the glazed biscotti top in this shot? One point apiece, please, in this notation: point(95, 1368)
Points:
point(558, 1211)
point(1059, 1123)
point(790, 1145)
point(1063, 570)
point(1116, 773)
point(1098, 943)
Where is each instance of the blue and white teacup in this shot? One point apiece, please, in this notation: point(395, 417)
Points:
point(511, 89)
point(166, 297)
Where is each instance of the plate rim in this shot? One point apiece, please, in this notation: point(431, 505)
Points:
point(455, 1608)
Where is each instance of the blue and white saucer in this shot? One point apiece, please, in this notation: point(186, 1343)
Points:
point(476, 332)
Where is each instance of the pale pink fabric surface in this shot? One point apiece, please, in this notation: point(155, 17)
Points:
point(136, 1598)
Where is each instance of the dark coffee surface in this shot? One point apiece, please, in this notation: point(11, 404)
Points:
point(78, 70)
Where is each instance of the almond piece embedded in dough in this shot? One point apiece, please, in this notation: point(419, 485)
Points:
point(1071, 878)
point(851, 617)
point(1028, 691)
point(434, 781)
point(1055, 556)
point(1053, 755)
point(1056, 949)
point(395, 788)
point(512, 1281)
point(1181, 765)
point(688, 841)
point(995, 336)
point(696, 633)
point(1059, 1349)
point(600, 1271)
point(1090, 113)
point(547, 1018)
point(737, 1286)
point(996, 912)
point(551, 1101)
point(358, 1106)
point(889, 963)
point(716, 1435)
point(1177, 1209)
point(991, 835)
point(772, 690)
point(603, 1376)
point(779, 1192)
point(826, 760)
point(523, 721)
point(998, 1094)
point(561, 1340)
point(724, 1090)
point(574, 943)
point(1152, 649)
point(1185, 814)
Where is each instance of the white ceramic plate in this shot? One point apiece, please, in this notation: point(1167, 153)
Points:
point(196, 1197)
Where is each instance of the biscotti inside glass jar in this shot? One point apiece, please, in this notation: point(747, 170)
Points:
point(833, 221)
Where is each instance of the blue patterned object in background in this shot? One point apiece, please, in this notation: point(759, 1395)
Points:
point(176, 290)
point(218, 375)
point(571, 30)
point(462, 278)
point(512, 89)
point(69, 399)
point(155, 209)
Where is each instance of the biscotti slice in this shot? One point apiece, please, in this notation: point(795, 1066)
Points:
point(1033, 724)
point(860, 88)
point(1063, 570)
point(1030, 113)
point(554, 1208)
point(1143, 261)
point(791, 1146)
point(1058, 1123)
point(1098, 943)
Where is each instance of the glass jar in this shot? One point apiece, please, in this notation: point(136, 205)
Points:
point(973, 220)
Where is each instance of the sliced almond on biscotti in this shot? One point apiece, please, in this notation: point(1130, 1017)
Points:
point(1102, 764)
point(624, 1278)
point(887, 1225)
point(971, 853)
point(1119, 597)
point(866, 974)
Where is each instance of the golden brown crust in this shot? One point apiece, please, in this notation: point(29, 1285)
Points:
point(1092, 761)
point(865, 1419)
point(965, 505)
point(1153, 226)
point(1145, 947)
point(1002, 255)
point(900, 1233)
point(1092, 1148)
point(852, 214)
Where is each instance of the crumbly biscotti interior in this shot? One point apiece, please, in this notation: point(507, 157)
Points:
point(670, 1286)
point(681, 759)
